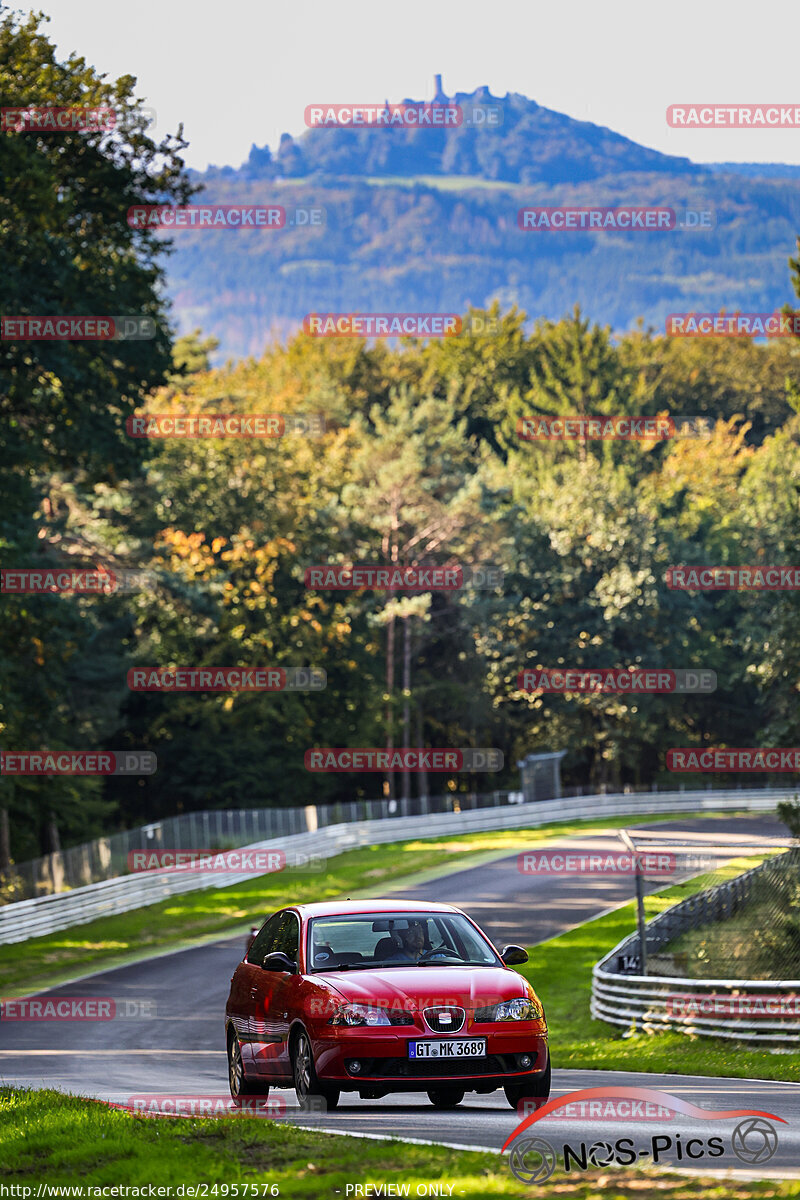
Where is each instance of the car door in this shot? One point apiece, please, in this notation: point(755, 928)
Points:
point(275, 1003)
point(246, 987)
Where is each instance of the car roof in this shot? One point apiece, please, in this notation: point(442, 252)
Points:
point(332, 908)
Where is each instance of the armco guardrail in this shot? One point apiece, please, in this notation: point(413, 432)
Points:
point(722, 1008)
point(32, 918)
point(233, 828)
point(221, 829)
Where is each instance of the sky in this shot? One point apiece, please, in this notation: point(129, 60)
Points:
point(243, 72)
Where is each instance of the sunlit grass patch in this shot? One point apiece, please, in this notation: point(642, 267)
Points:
point(47, 1137)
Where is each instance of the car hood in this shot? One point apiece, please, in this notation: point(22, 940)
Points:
point(419, 987)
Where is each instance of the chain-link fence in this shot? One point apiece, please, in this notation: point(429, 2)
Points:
point(228, 829)
point(743, 928)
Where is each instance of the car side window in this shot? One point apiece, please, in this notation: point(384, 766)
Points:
point(287, 938)
point(264, 941)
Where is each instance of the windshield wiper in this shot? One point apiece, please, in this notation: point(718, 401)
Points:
point(347, 967)
point(453, 963)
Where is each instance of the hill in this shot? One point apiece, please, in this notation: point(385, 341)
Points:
point(426, 220)
point(526, 143)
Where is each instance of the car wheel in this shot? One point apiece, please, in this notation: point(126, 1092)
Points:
point(238, 1082)
point(445, 1097)
point(537, 1089)
point(311, 1094)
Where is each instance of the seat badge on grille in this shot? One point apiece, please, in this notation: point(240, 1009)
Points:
point(444, 1020)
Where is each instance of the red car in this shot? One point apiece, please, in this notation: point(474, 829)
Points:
point(378, 996)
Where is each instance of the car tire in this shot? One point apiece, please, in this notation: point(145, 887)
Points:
point(311, 1094)
point(446, 1097)
point(537, 1088)
point(238, 1082)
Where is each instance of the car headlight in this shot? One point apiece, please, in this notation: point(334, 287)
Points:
point(522, 1009)
point(359, 1014)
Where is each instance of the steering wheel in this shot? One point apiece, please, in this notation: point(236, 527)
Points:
point(439, 952)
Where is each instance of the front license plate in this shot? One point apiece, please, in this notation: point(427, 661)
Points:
point(451, 1048)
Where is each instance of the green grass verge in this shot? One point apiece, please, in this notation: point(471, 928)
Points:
point(204, 915)
point(46, 1137)
point(561, 971)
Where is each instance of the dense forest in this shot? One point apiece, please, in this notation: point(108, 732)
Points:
point(419, 463)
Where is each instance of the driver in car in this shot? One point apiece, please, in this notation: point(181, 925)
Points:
point(413, 940)
point(408, 943)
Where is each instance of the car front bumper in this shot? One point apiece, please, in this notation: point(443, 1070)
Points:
point(383, 1060)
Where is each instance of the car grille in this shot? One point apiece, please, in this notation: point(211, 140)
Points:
point(410, 1068)
point(444, 1020)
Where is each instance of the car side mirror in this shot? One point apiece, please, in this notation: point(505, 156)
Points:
point(278, 961)
point(514, 956)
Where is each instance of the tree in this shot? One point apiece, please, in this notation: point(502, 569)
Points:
point(191, 354)
point(416, 490)
point(67, 249)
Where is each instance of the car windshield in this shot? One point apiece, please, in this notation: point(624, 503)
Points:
point(368, 940)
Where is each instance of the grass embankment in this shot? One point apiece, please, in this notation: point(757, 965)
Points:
point(46, 1137)
point(561, 971)
point(216, 912)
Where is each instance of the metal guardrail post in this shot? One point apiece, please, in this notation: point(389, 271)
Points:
point(639, 888)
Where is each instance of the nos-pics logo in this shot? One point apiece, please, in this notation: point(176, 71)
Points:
point(533, 1158)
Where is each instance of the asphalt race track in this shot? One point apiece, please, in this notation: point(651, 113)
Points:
point(171, 1040)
